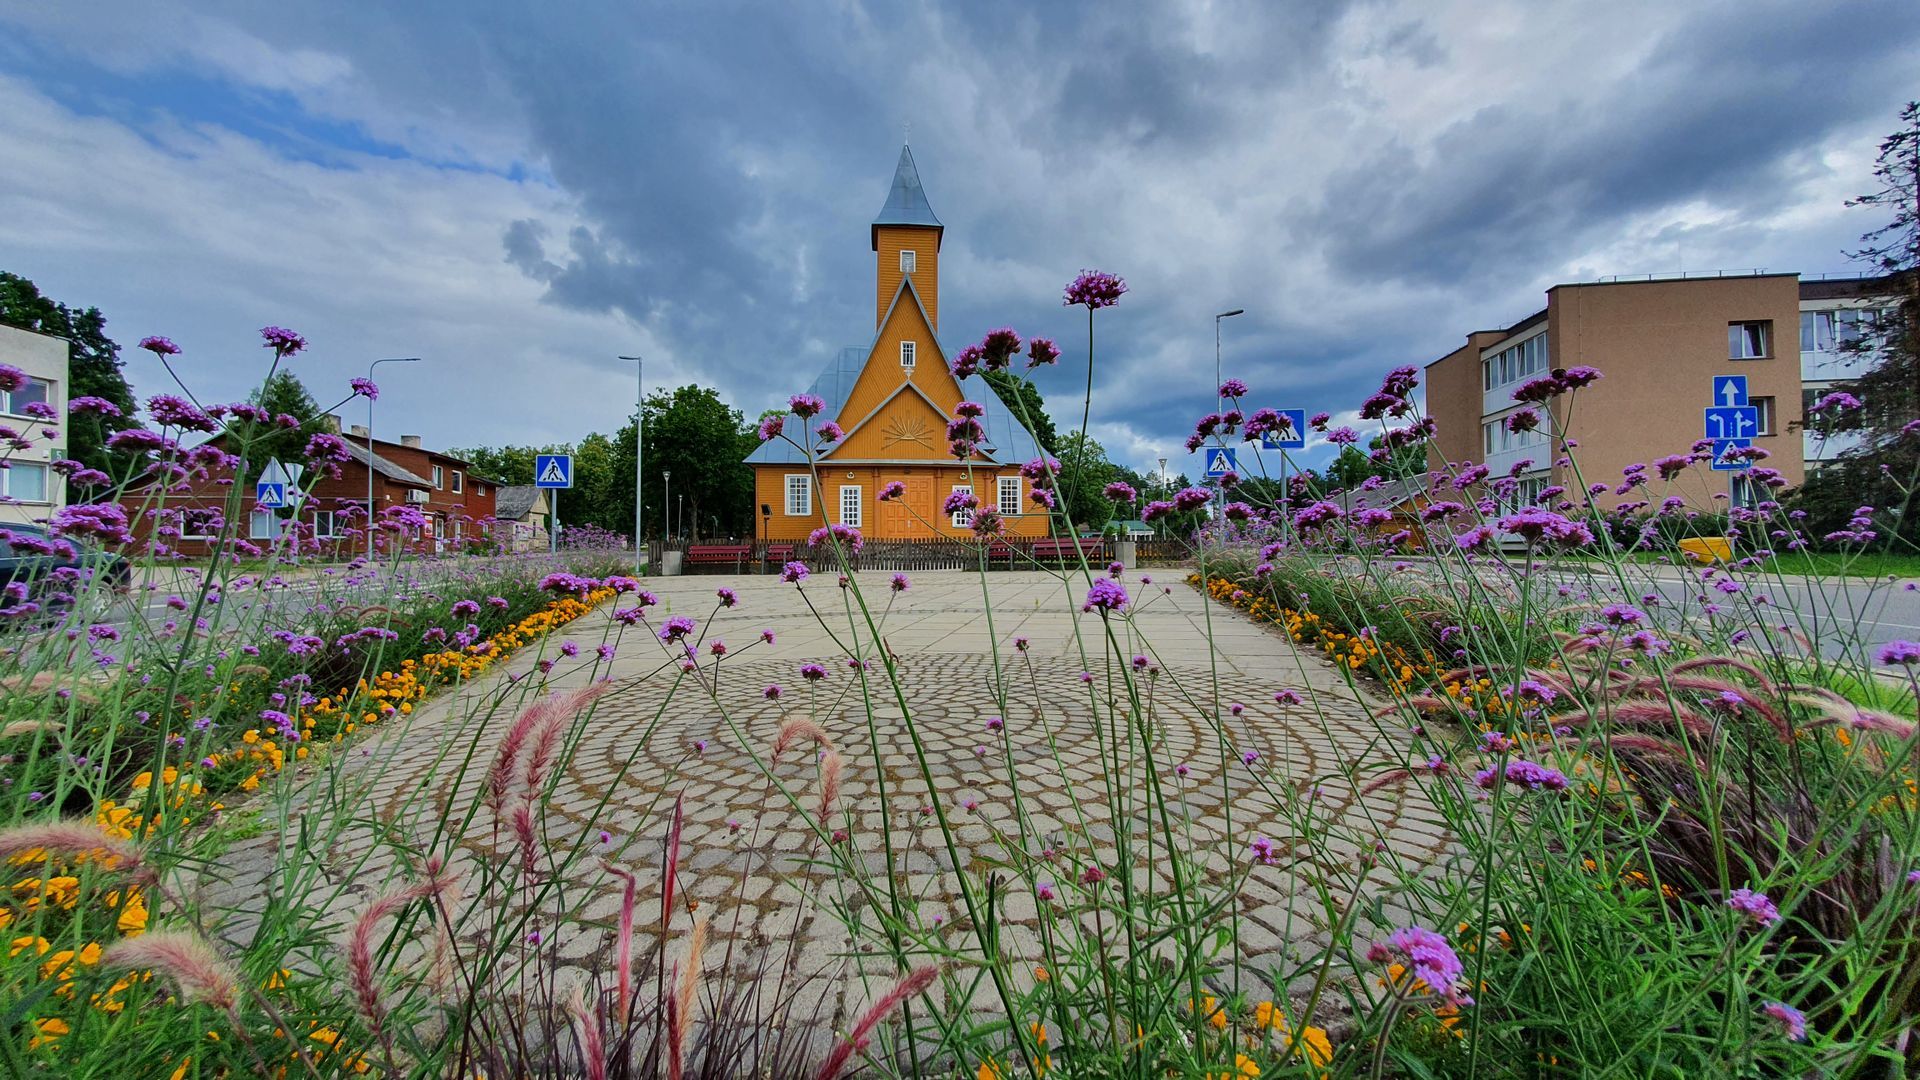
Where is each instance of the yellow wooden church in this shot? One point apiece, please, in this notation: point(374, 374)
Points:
point(893, 400)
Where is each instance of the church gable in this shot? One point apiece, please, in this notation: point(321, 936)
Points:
point(929, 381)
point(906, 426)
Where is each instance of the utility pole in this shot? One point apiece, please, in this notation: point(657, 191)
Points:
point(639, 453)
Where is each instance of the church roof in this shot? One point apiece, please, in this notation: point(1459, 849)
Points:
point(1007, 442)
point(906, 201)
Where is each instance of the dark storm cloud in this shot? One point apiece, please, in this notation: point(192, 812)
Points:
point(1369, 180)
point(1720, 109)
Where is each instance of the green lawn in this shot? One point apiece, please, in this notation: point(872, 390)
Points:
point(1824, 564)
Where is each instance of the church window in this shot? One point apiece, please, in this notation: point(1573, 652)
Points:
point(906, 354)
point(908, 259)
point(799, 495)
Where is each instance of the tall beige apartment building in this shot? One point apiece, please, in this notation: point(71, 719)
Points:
point(29, 490)
point(1658, 344)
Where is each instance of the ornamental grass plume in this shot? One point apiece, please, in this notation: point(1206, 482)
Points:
point(528, 748)
point(794, 730)
point(186, 958)
point(830, 768)
point(74, 840)
point(623, 957)
point(861, 1035)
point(360, 964)
point(680, 1005)
point(587, 1029)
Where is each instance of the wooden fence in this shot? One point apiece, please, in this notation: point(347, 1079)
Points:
point(919, 555)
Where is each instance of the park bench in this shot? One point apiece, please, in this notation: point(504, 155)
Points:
point(714, 554)
point(778, 554)
point(1052, 549)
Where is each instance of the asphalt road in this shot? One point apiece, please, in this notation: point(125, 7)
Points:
point(1837, 615)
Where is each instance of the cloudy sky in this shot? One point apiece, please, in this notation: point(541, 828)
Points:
point(519, 192)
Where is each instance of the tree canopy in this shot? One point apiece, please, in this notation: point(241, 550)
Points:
point(93, 368)
point(1883, 470)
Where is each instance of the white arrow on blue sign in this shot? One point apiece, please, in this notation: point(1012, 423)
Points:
point(1293, 437)
point(1221, 460)
point(1723, 458)
point(270, 496)
point(1729, 390)
point(1733, 422)
point(553, 470)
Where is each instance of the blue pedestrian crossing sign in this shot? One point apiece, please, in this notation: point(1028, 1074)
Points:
point(1729, 390)
point(1292, 437)
point(1221, 460)
point(553, 470)
point(1724, 460)
point(270, 495)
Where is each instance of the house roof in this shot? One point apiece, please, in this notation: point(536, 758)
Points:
point(515, 501)
point(1131, 525)
point(1390, 495)
point(906, 200)
point(1007, 442)
point(384, 467)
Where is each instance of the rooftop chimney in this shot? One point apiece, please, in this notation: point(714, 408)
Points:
point(358, 431)
point(331, 423)
point(410, 440)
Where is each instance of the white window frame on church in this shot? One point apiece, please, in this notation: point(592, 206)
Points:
point(1009, 496)
point(799, 495)
point(963, 518)
point(909, 260)
point(907, 350)
point(850, 505)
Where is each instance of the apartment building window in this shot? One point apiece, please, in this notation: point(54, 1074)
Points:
point(799, 495)
point(850, 505)
point(198, 524)
point(1749, 340)
point(1816, 331)
point(908, 262)
point(1516, 362)
point(963, 518)
point(906, 355)
point(32, 391)
point(260, 525)
point(439, 478)
point(459, 481)
point(323, 525)
point(1009, 496)
point(1496, 439)
point(1764, 405)
point(25, 481)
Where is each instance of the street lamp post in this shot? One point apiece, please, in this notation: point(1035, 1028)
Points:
point(370, 367)
point(1219, 399)
point(639, 450)
point(666, 503)
point(1163, 494)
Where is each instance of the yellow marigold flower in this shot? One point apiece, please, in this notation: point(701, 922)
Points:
point(49, 1032)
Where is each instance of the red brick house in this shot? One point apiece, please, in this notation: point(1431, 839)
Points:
point(458, 507)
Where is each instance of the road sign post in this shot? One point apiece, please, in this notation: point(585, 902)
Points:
point(552, 472)
point(1731, 423)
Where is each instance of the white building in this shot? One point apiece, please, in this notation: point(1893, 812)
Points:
point(29, 490)
point(1835, 313)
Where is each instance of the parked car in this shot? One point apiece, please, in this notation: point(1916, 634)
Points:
point(28, 553)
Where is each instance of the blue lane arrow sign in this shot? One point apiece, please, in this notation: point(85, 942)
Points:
point(1723, 461)
point(270, 496)
point(1733, 422)
point(1729, 390)
point(1221, 460)
point(553, 470)
point(1295, 435)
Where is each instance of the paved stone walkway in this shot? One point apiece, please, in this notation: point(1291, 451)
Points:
point(748, 858)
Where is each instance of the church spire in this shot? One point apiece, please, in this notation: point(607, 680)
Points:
point(906, 201)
